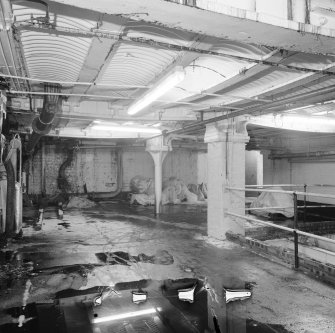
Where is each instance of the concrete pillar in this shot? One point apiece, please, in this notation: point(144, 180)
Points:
point(226, 167)
point(158, 150)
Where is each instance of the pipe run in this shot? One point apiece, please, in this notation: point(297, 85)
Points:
point(41, 93)
point(302, 155)
point(74, 83)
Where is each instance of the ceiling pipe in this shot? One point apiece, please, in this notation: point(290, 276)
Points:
point(75, 83)
point(302, 155)
point(106, 97)
point(247, 111)
point(7, 13)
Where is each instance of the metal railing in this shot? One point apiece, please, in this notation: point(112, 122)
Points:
point(294, 230)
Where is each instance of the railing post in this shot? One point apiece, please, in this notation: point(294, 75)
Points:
point(296, 250)
point(305, 190)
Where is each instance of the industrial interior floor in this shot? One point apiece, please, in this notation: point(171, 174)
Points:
point(76, 252)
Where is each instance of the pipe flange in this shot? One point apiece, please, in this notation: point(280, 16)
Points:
point(46, 130)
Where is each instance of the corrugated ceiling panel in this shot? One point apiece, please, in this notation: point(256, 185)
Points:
point(136, 65)
point(52, 57)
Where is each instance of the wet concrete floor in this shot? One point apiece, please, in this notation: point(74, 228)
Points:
point(114, 243)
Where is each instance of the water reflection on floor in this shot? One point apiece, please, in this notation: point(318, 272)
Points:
point(75, 311)
point(114, 243)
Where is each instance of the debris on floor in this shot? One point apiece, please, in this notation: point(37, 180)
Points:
point(13, 268)
point(199, 189)
point(80, 202)
point(174, 191)
point(143, 191)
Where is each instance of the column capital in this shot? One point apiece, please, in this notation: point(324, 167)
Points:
point(230, 130)
point(158, 144)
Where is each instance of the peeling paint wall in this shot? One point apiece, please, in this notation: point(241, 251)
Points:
point(187, 165)
point(181, 164)
point(302, 172)
point(253, 170)
point(97, 168)
point(136, 163)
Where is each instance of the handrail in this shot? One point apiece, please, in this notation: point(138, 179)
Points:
point(279, 207)
point(265, 208)
point(283, 228)
point(281, 191)
point(290, 185)
point(277, 185)
point(321, 185)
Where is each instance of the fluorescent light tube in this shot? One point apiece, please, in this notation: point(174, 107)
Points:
point(123, 316)
point(139, 296)
point(237, 295)
point(186, 295)
point(160, 89)
point(128, 129)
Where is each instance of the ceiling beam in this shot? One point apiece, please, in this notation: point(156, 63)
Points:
point(97, 59)
point(200, 21)
point(172, 47)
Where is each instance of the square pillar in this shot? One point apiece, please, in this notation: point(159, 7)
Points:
point(226, 168)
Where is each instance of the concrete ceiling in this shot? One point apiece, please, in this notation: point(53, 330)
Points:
point(108, 56)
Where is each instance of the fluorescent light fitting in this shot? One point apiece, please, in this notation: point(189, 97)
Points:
point(167, 83)
point(300, 108)
point(139, 296)
point(187, 295)
point(320, 113)
point(123, 315)
point(237, 295)
point(127, 129)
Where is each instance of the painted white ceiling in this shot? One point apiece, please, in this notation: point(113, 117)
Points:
point(108, 74)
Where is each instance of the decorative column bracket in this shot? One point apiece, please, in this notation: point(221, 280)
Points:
point(158, 148)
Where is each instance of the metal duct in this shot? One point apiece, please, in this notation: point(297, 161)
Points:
point(42, 124)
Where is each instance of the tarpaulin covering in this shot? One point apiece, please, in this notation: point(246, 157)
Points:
point(272, 201)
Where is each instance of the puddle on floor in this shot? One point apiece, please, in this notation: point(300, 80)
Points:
point(13, 266)
point(163, 311)
point(162, 257)
point(66, 225)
